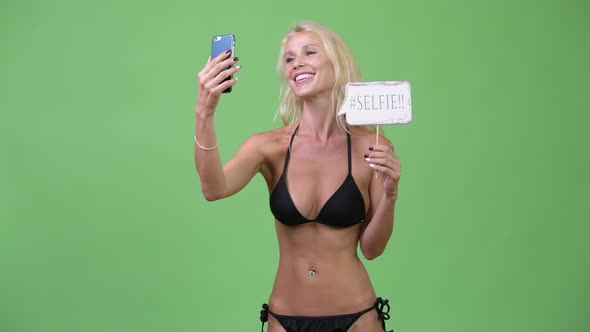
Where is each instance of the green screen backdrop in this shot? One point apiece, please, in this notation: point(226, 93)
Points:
point(102, 224)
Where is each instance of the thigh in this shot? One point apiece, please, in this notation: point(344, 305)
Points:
point(369, 322)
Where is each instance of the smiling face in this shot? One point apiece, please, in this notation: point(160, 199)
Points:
point(307, 68)
point(310, 48)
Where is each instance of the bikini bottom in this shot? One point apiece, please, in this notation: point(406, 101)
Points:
point(337, 323)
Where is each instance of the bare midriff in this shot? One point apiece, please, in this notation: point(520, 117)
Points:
point(339, 283)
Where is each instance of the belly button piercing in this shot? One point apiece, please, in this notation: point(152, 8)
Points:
point(311, 271)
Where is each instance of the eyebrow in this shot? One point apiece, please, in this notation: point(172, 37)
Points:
point(304, 47)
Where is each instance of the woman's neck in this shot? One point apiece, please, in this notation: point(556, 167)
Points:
point(318, 119)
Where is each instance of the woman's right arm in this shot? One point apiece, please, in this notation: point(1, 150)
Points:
point(218, 181)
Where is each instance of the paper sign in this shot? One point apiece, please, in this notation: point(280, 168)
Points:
point(376, 103)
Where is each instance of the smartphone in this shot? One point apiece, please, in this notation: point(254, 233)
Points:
point(220, 44)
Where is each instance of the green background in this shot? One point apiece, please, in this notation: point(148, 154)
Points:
point(103, 227)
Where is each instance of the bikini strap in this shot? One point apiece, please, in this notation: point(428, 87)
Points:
point(288, 155)
point(349, 154)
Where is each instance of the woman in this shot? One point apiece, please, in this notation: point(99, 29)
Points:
point(320, 175)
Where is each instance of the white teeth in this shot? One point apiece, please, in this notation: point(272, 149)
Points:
point(302, 76)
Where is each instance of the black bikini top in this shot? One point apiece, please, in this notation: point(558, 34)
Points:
point(345, 207)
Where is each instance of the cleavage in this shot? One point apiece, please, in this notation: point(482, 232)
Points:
point(311, 181)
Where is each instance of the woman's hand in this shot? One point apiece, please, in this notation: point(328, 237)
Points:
point(210, 82)
point(383, 160)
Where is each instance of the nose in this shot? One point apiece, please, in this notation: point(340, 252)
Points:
point(296, 63)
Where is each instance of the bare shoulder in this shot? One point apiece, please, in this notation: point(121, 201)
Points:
point(269, 137)
point(270, 147)
point(269, 142)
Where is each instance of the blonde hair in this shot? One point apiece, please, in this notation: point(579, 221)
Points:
point(345, 70)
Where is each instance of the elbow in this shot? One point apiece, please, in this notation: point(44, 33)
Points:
point(211, 196)
point(213, 192)
point(371, 253)
point(371, 256)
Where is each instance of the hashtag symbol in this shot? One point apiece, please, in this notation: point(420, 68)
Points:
point(351, 102)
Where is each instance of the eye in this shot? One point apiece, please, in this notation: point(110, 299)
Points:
point(289, 59)
point(310, 53)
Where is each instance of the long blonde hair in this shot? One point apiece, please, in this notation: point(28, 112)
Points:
point(345, 70)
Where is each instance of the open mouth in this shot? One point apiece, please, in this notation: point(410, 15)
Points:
point(303, 77)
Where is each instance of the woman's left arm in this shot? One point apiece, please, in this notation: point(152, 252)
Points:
point(378, 225)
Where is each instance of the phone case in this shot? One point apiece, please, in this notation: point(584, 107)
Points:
point(220, 44)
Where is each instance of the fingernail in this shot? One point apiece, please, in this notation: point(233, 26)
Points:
point(366, 155)
point(228, 52)
point(371, 148)
point(238, 66)
point(236, 59)
point(372, 165)
point(235, 78)
point(367, 159)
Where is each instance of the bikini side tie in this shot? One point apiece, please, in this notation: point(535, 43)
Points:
point(382, 307)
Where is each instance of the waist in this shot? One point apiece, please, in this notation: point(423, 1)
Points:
point(312, 286)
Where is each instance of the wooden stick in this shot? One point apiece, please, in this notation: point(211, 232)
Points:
point(376, 142)
point(377, 135)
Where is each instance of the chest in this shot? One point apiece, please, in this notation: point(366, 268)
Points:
point(314, 177)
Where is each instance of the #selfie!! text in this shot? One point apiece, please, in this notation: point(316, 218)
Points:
point(377, 102)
